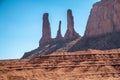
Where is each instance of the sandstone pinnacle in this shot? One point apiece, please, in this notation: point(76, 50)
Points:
point(70, 33)
point(59, 35)
point(48, 45)
point(46, 30)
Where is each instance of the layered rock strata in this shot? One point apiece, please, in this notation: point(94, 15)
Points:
point(81, 65)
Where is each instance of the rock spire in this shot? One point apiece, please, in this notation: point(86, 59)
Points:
point(70, 33)
point(46, 30)
point(59, 35)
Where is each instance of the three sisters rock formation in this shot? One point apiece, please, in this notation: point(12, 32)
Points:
point(49, 45)
point(46, 32)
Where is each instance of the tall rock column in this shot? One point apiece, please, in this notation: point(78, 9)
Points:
point(46, 31)
point(59, 35)
point(70, 33)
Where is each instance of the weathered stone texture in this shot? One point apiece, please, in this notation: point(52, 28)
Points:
point(104, 18)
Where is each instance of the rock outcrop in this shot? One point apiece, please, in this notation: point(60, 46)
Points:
point(103, 27)
point(48, 45)
point(59, 35)
point(104, 18)
point(102, 31)
point(46, 30)
point(70, 33)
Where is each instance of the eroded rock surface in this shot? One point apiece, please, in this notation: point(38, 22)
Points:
point(82, 65)
point(104, 18)
point(103, 27)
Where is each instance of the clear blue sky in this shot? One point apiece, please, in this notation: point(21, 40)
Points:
point(21, 22)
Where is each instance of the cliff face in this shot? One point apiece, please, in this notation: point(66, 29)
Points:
point(104, 18)
point(103, 27)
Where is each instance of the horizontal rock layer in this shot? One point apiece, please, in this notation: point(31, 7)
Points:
point(89, 64)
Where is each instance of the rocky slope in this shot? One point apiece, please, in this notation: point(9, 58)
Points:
point(81, 65)
point(103, 42)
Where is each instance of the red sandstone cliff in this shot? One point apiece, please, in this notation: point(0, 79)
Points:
point(104, 18)
point(103, 27)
